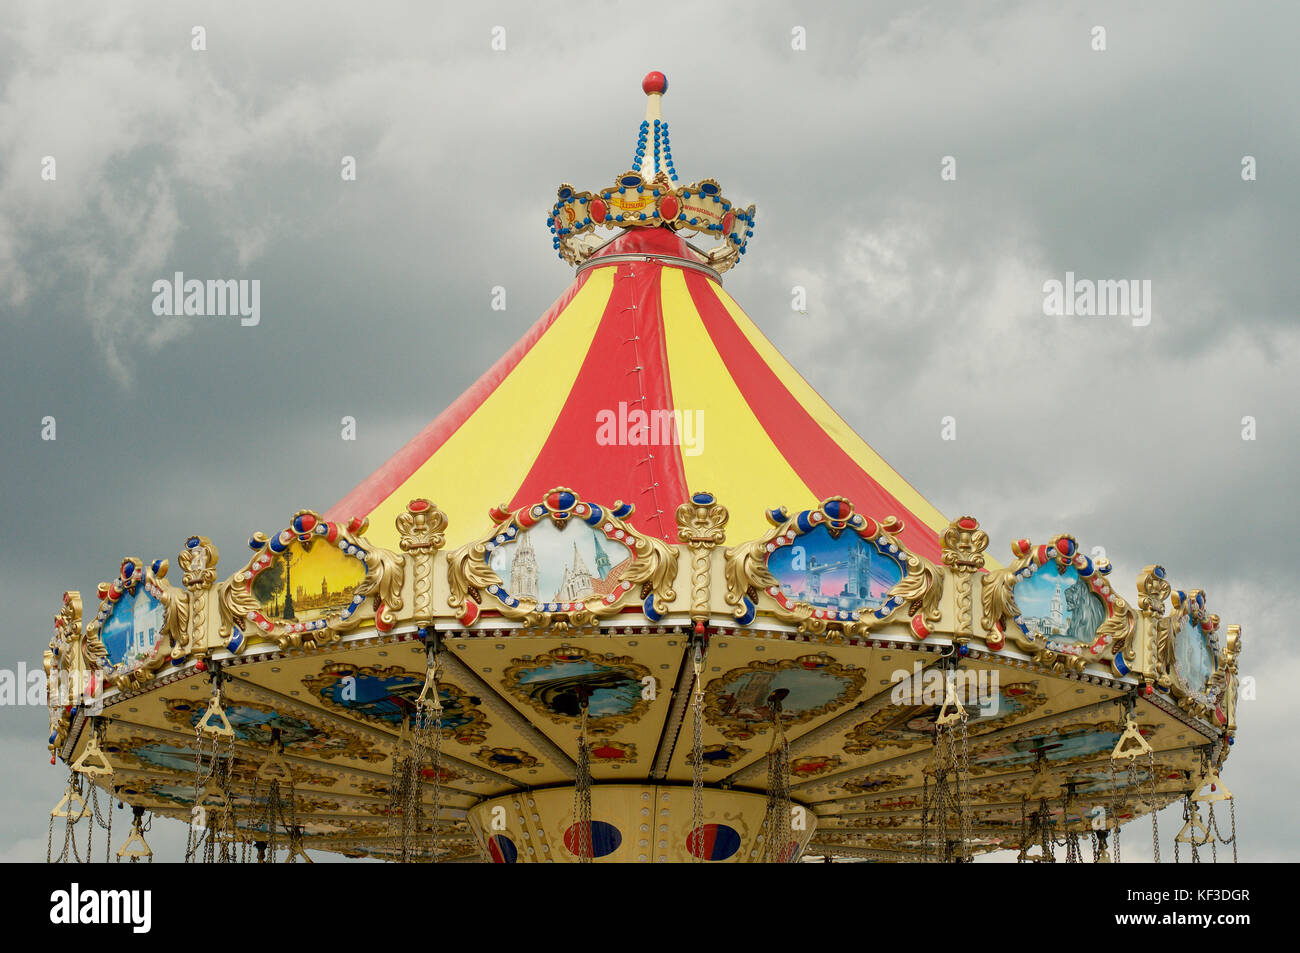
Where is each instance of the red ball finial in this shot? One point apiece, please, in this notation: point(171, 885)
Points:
point(654, 82)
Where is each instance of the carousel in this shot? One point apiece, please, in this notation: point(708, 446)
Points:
point(639, 595)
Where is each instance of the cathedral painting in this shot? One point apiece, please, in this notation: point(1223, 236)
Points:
point(304, 584)
point(845, 573)
point(1060, 606)
point(549, 564)
point(134, 628)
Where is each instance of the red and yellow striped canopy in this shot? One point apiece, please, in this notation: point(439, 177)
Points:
point(643, 328)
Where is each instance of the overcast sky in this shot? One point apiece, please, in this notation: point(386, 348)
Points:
point(925, 296)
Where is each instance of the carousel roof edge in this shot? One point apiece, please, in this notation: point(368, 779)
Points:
point(1165, 644)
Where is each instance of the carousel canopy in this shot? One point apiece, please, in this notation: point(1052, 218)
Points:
point(574, 620)
point(645, 380)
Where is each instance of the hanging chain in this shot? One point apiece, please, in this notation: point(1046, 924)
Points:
point(428, 741)
point(104, 822)
point(776, 822)
point(1046, 836)
point(404, 791)
point(279, 811)
point(1022, 856)
point(229, 827)
point(1155, 809)
point(1115, 802)
point(963, 769)
point(697, 756)
point(582, 790)
point(72, 808)
point(926, 807)
point(951, 761)
point(201, 831)
point(1073, 853)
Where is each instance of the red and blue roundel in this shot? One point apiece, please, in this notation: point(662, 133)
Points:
point(604, 838)
point(502, 849)
point(713, 842)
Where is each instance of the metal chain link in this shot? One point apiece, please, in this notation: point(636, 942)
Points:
point(697, 757)
point(582, 793)
point(1022, 856)
point(1155, 809)
point(776, 821)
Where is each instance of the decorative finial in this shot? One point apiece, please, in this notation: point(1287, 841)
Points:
point(648, 196)
point(655, 85)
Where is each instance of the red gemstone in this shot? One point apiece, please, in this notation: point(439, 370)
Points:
point(668, 207)
point(598, 210)
point(728, 221)
point(967, 522)
point(418, 506)
point(654, 82)
point(201, 665)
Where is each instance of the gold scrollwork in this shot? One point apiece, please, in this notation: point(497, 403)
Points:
point(73, 664)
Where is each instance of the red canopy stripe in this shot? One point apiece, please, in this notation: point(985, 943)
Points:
point(625, 370)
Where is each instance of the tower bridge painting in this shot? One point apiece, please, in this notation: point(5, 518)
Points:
point(847, 573)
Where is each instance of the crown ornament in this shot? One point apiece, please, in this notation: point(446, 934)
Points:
point(648, 196)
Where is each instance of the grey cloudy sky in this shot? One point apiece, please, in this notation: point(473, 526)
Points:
point(925, 296)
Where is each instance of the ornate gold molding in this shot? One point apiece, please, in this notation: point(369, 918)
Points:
point(964, 544)
point(421, 530)
point(74, 665)
point(701, 525)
